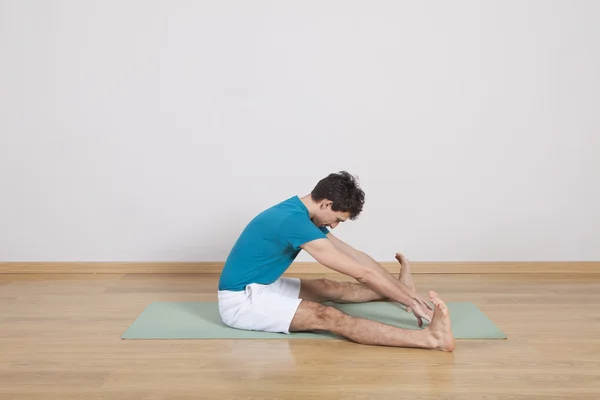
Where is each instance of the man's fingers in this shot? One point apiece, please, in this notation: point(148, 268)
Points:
point(425, 304)
point(426, 313)
point(420, 314)
point(427, 318)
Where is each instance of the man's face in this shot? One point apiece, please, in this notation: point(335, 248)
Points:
point(327, 217)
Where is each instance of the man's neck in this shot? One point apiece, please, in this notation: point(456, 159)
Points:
point(310, 205)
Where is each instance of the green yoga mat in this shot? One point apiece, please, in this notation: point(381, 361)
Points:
point(202, 321)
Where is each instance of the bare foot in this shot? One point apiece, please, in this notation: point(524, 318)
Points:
point(404, 275)
point(440, 327)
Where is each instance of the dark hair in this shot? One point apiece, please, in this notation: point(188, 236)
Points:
point(342, 189)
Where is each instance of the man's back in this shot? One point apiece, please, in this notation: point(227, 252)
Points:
point(268, 245)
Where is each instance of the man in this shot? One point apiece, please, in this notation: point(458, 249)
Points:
point(253, 295)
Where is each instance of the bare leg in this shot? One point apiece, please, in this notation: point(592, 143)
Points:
point(322, 290)
point(438, 335)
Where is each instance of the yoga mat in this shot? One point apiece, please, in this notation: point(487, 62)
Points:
point(192, 320)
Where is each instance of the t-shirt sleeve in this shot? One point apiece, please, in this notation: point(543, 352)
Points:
point(324, 229)
point(298, 229)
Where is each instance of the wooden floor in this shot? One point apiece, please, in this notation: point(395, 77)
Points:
point(60, 339)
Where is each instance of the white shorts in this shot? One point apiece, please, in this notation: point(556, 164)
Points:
point(268, 308)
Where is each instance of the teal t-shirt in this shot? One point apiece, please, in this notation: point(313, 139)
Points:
point(269, 244)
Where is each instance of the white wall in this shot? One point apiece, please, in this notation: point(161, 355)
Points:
point(154, 130)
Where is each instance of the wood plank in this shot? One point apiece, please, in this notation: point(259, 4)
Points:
point(455, 267)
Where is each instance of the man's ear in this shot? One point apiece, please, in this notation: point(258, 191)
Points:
point(326, 204)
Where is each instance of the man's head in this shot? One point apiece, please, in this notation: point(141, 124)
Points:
point(339, 198)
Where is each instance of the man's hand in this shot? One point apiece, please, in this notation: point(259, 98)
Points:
point(420, 308)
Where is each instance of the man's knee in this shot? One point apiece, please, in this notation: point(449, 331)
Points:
point(319, 290)
point(315, 283)
point(327, 285)
point(310, 316)
point(324, 313)
point(328, 316)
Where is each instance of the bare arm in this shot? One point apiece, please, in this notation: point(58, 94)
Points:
point(363, 258)
point(375, 277)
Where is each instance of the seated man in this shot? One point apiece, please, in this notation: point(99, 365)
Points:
point(253, 295)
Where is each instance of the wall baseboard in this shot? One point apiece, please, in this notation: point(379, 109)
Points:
point(512, 267)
